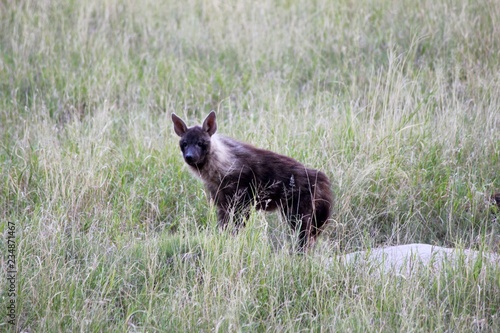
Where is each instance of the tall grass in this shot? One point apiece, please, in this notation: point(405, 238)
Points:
point(397, 101)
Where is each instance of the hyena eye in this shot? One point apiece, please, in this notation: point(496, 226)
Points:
point(183, 144)
point(201, 144)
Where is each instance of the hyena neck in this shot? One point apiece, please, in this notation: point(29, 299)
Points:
point(221, 161)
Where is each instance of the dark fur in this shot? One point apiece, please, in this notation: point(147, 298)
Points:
point(238, 175)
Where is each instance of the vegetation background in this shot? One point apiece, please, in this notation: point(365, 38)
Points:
point(397, 101)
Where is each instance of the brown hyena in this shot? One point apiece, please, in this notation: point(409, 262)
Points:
point(239, 176)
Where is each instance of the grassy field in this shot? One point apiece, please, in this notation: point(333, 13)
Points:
point(397, 101)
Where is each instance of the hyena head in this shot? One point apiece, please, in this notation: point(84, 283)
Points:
point(195, 141)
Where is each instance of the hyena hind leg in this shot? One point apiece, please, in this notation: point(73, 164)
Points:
point(305, 234)
point(301, 230)
point(321, 216)
point(309, 226)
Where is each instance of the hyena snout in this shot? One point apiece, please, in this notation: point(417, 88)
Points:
point(192, 155)
point(189, 157)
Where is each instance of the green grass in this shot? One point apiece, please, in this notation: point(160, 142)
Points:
point(398, 102)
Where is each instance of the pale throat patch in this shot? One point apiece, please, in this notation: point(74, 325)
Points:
point(222, 157)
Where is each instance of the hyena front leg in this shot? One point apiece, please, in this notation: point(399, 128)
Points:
point(237, 214)
point(223, 211)
point(222, 218)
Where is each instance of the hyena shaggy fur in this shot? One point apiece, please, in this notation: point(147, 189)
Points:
point(239, 176)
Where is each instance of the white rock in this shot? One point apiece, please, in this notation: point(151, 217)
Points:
point(404, 258)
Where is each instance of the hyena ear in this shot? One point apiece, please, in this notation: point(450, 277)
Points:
point(179, 126)
point(210, 125)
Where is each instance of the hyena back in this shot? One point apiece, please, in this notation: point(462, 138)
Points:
point(239, 176)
